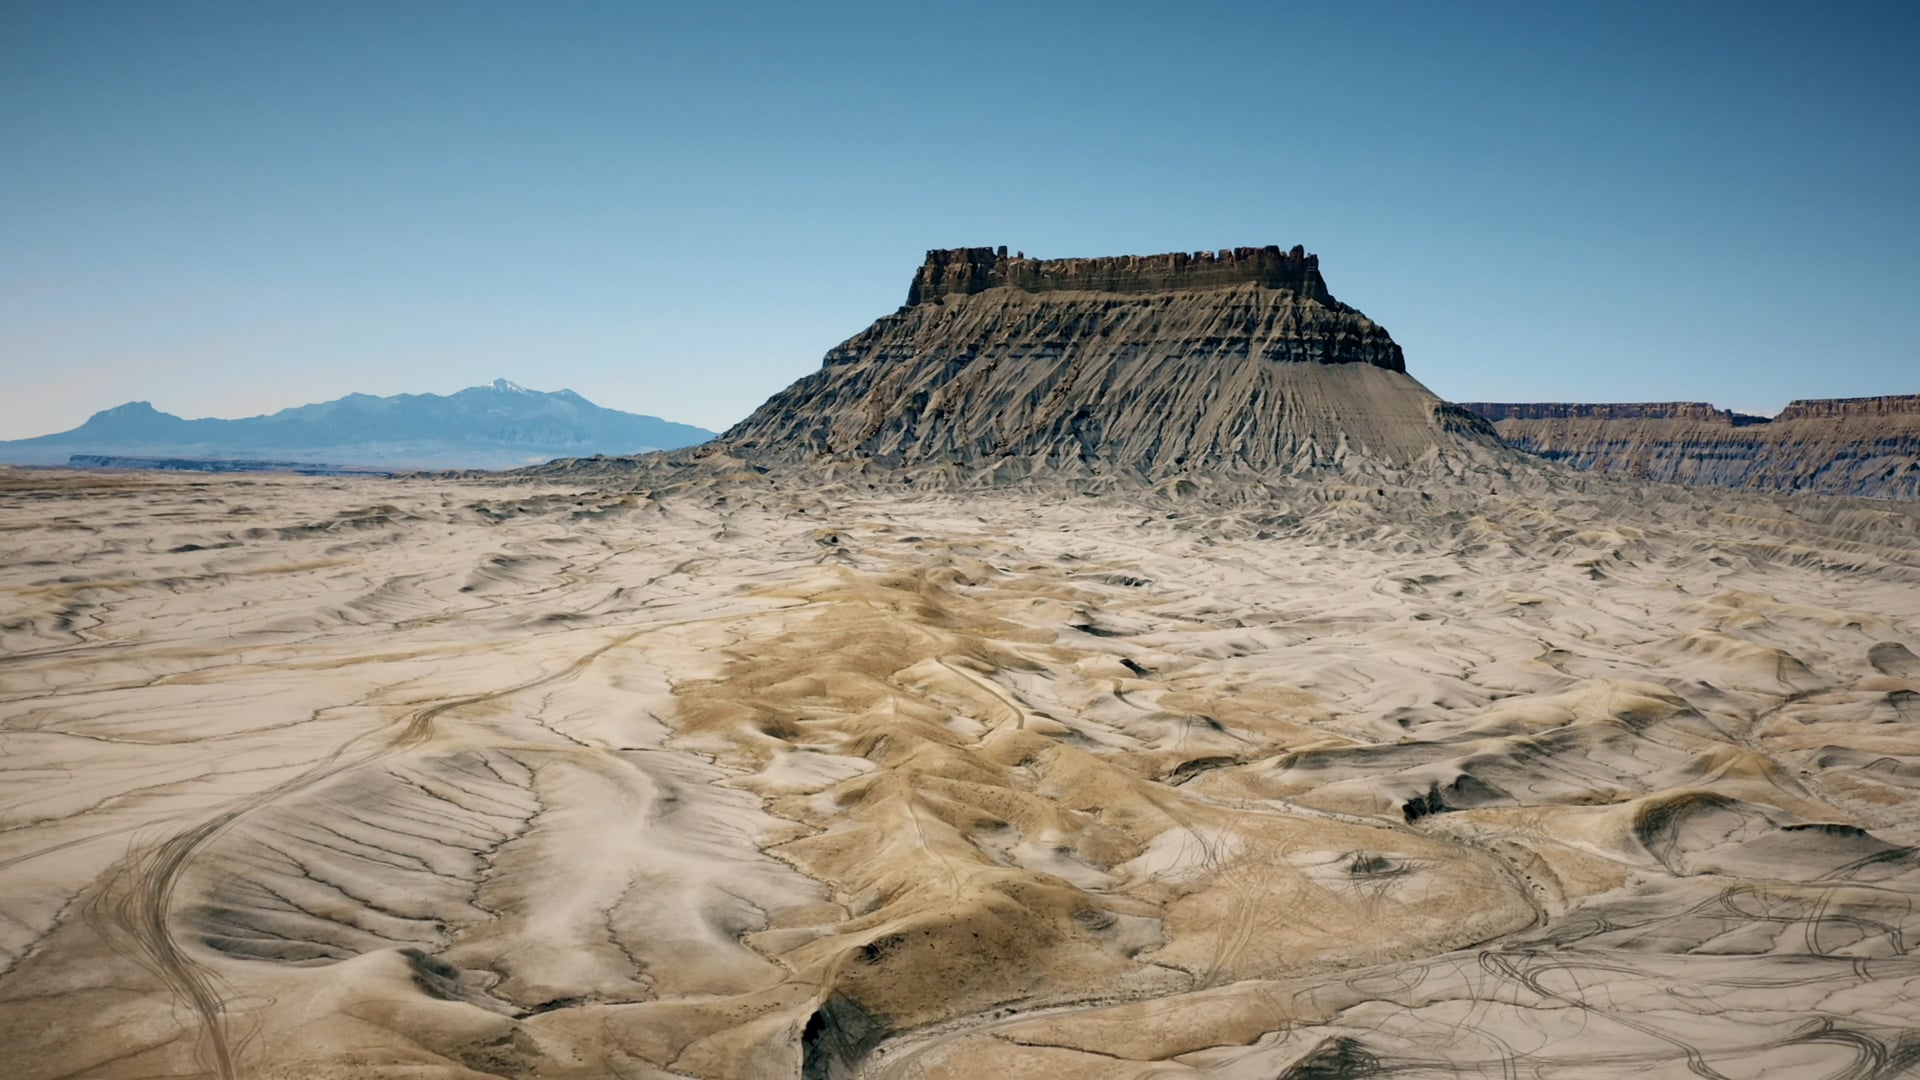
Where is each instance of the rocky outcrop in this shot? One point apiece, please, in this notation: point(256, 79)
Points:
point(1892, 405)
point(1645, 410)
point(1154, 364)
point(964, 271)
point(1845, 446)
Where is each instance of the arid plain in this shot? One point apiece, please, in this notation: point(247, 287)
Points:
point(1509, 774)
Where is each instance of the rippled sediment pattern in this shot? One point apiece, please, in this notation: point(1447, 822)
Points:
point(311, 778)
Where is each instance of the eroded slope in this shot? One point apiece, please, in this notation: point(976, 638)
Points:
point(1850, 446)
point(1240, 362)
point(340, 778)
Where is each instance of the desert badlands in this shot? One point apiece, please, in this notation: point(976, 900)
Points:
point(1099, 668)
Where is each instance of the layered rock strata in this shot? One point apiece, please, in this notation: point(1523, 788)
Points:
point(1845, 446)
point(1149, 363)
point(964, 271)
point(1641, 410)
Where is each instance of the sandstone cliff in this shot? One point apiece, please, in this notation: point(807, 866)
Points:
point(963, 271)
point(1847, 446)
point(1154, 364)
point(1642, 410)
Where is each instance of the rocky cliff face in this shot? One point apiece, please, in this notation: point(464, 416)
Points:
point(1900, 407)
point(964, 271)
point(1150, 363)
point(1848, 446)
point(1645, 410)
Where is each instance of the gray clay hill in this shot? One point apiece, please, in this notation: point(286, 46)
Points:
point(1237, 360)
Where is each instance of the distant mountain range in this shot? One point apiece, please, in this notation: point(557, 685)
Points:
point(498, 426)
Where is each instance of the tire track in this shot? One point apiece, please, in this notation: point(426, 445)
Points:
point(136, 903)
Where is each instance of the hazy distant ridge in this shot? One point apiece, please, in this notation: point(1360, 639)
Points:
point(500, 425)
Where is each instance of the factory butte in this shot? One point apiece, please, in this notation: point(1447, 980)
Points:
point(1240, 360)
point(1237, 362)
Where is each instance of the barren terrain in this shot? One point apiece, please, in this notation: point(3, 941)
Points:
point(1525, 775)
point(1866, 447)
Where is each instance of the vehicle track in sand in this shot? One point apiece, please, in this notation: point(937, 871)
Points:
point(136, 903)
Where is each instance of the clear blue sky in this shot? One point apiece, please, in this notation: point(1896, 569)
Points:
point(230, 208)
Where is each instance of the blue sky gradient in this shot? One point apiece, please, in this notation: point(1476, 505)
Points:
point(231, 208)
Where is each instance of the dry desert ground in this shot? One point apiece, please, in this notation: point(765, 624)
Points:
point(770, 777)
